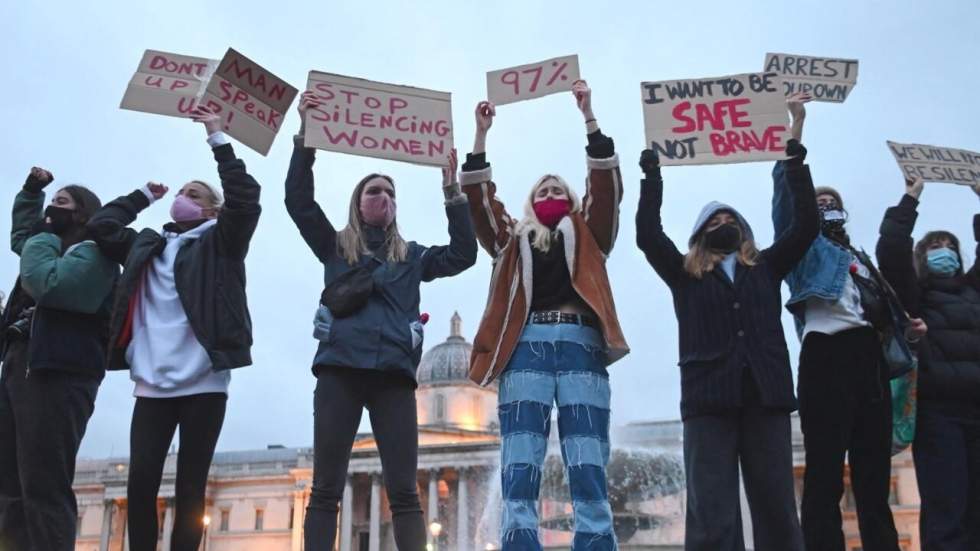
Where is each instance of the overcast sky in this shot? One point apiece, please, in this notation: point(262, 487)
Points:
point(66, 65)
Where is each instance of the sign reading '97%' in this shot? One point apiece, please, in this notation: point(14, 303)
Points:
point(534, 80)
point(731, 119)
point(374, 119)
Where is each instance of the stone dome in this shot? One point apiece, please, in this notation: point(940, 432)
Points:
point(449, 361)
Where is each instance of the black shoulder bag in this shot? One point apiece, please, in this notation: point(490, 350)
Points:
point(350, 291)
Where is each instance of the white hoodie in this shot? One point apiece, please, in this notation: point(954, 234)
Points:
point(165, 358)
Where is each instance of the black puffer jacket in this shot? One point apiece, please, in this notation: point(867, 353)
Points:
point(949, 355)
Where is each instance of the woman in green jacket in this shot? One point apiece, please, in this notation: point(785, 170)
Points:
point(53, 350)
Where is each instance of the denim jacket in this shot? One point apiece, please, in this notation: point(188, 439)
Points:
point(822, 271)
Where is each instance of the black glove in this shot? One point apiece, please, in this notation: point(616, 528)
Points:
point(796, 152)
point(650, 162)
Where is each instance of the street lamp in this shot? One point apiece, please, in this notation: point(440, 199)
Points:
point(435, 529)
point(206, 521)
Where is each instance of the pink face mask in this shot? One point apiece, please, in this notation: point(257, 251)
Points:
point(551, 211)
point(185, 210)
point(378, 210)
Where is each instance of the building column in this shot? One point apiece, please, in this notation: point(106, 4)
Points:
point(168, 523)
point(347, 515)
point(126, 530)
point(108, 509)
point(433, 512)
point(374, 538)
point(297, 535)
point(463, 542)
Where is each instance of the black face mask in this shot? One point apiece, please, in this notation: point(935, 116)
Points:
point(832, 219)
point(725, 238)
point(62, 219)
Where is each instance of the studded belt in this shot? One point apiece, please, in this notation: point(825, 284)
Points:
point(555, 317)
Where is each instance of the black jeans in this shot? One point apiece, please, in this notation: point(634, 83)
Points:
point(199, 417)
point(340, 397)
point(845, 408)
point(947, 467)
point(714, 446)
point(42, 421)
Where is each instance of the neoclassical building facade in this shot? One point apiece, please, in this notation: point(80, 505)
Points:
point(256, 499)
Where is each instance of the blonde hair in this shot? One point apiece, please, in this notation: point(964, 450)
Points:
point(217, 199)
point(700, 259)
point(530, 223)
point(350, 240)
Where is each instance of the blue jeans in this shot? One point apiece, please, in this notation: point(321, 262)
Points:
point(563, 364)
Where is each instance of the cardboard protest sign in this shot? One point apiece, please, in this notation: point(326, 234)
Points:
point(731, 119)
point(374, 119)
point(825, 78)
point(937, 164)
point(532, 81)
point(250, 100)
point(168, 84)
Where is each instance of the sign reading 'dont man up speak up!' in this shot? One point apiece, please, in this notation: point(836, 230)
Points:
point(937, 164)
point(374, 119)
point(168, 84)
point(824, 78)
point(550, 76)
point(731, 119)
point(250, 100)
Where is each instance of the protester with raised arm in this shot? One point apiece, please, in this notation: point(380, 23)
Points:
point(842, 310)
point(52, 344)
point(736, 380)
point(550, 330)
point(933, 282)
point(180, 323)
point(370, 335)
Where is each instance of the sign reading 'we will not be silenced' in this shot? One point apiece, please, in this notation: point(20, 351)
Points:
point(730, 119)
point(937, 164)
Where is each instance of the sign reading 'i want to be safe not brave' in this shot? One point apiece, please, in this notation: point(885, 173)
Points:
point(730, 119)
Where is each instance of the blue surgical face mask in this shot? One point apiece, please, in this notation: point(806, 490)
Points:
point(943, 262)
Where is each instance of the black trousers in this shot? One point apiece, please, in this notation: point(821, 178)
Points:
point(845, 408)
point(341, 395)
point(42, 421)
point(947, 467)
point(759, 440)
point(199, 417)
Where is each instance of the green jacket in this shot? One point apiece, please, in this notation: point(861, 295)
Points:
point(80, 280)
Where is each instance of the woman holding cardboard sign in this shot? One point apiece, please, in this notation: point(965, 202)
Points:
point(550, 330)
point(370, 334)
point(933, 281)
point(180, 324)
point(736, 383)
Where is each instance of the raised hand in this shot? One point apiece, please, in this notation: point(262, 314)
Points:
point(206, 116)
point(157, 189)
point(38, 179)
point(449, 172)
point(485, 112)
point(583, 98)
point(913, 186)
point(308, 100)
point(795, 104)
point(649, 161)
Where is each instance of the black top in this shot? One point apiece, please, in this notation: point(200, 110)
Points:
point(725, 326)
point(551, 283)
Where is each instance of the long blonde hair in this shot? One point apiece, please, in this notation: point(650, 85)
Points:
point(530, 222)
point(350, 240)
point(700, 259)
